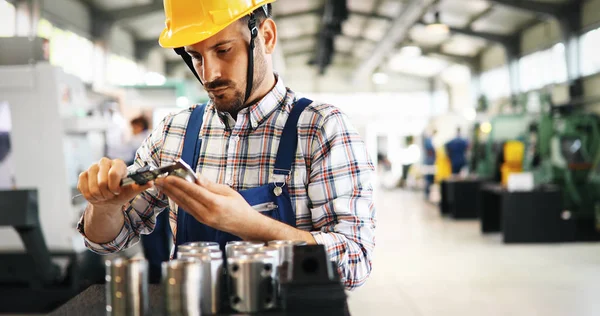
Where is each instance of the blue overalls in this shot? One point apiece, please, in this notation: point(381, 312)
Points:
point(275, 195)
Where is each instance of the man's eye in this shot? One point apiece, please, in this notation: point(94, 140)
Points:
point(223, 51)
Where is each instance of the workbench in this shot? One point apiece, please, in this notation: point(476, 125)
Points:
point(527, 216)
point(460, 196)
point(92, 302)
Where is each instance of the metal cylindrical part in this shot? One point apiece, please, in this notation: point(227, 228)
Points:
point(203, 244)
point(182, 283)
point(286, 249)
point(235, 244)
point(252, 284)
point(127, 287)
point(212, 271)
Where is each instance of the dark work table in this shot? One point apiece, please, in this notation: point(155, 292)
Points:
point(92, 302)
point(460, 196)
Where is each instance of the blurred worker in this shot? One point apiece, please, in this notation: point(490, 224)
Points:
point(429, 161)
point(139, 130)
point(270, 165)
point(456, 149)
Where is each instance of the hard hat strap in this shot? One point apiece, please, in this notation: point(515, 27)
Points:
point(188, 61)
point(250, 73)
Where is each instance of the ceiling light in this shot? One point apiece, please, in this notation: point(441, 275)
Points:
point(380, 78)
point(437, 27)
point(411, 51)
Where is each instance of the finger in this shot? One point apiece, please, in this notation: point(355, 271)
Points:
point(104, 167)
point(185, 191)
point(117, 172)
point(93, 183)
point(183, 200)
point(82, 185)
point(220, 189)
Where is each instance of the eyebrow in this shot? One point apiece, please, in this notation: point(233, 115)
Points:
point(191, 51)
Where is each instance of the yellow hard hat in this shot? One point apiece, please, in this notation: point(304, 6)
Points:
point(192, 21)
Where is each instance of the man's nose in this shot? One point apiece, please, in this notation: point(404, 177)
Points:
point(211, 71)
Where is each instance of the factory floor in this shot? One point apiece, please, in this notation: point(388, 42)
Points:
point(427, 265)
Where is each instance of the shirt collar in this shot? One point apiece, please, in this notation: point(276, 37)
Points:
point(262, 109)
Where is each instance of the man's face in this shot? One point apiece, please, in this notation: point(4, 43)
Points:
point(221, 61)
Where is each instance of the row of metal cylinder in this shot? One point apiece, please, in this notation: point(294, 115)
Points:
point(194, 281)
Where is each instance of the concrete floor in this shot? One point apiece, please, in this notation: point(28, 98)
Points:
point(427, 265)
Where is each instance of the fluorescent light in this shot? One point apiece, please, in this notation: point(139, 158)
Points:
point(411, 51)
point(438, 29)
point(155, 79)
point(380, 78)
point(183, 102)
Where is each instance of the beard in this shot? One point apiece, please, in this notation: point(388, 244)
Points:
point(232, 99)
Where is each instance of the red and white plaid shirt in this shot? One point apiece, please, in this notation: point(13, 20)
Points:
point(330, 184)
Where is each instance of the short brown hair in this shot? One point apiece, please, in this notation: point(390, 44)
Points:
point(142, 121)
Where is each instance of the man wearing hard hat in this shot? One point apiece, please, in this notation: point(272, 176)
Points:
point(270, 165)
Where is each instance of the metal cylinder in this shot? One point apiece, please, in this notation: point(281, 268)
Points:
point(212, 272)
point(235, 244)
point(286, 249)
point(202, 244)
point(127, 287)
point(252, 284)
point(182, 283)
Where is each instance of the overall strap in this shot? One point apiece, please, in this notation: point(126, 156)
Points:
point(190, 153)
point(288, 144)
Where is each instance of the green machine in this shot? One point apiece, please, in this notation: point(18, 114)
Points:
point(568, 147)
point(488, 138)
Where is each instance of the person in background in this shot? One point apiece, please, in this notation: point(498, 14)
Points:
point(456, 150)
point(140, 131)
point(429, 161)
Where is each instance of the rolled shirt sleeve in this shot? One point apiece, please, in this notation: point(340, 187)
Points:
point(341, 195)
point(139, 213)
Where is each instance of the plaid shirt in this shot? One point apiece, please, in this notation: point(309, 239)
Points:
point(329, 185)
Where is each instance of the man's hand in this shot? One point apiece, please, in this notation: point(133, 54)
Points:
point(222, 208)
point(215, 205)
point(101, 184)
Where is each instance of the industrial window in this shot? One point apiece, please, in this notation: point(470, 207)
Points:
point(73, 53)
point(589, 48)
point(8, 18)
point(543, 68)
point(495, 83)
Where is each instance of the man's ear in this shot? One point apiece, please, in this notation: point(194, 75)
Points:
point(268, 30)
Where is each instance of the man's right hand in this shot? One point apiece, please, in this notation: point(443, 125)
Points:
point(101, 184)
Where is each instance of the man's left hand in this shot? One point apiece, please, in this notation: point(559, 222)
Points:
point(212, 204)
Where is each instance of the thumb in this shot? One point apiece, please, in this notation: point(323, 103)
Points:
point(220, 189)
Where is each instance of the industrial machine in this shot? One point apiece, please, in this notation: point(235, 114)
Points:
point(52, 139)
point(568, 146)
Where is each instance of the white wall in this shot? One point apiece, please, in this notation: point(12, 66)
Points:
point(121, 42)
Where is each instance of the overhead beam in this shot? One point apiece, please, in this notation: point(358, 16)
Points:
point(312, 51)
point(313, 36)
point(457, 59)
point(412, 12)
point(319, 12)
point(552, 10)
